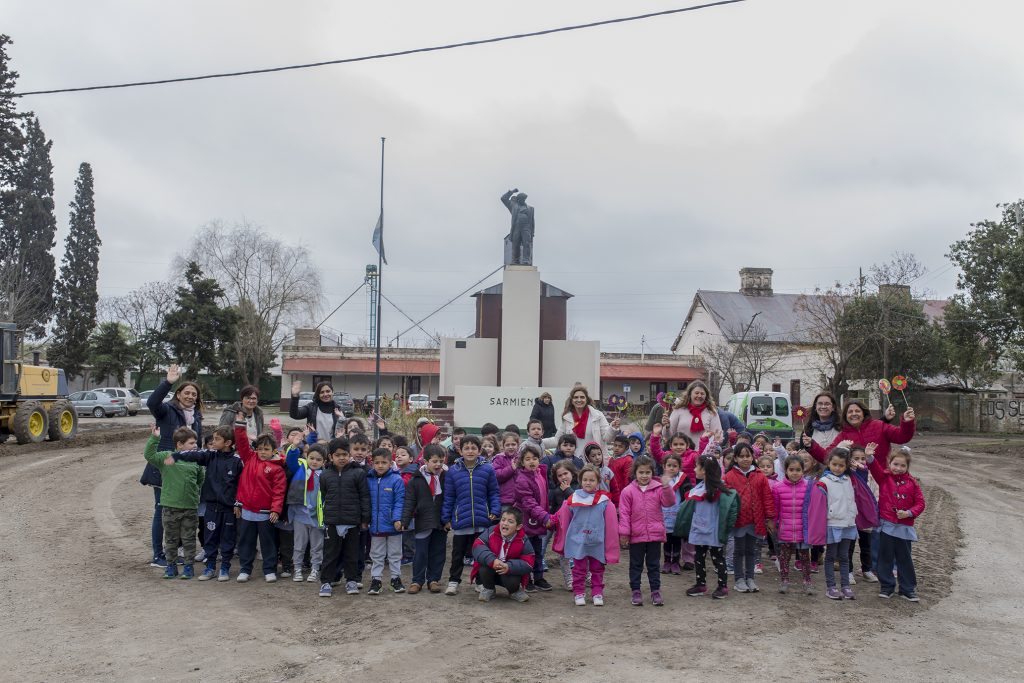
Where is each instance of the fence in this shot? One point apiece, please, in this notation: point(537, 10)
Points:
point(960, 412)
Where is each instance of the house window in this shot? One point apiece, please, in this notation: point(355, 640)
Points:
point(413, 383)
point(658, 387)
point(460, 344)
point(776, 387)
point(794, 392)
point(681, 386)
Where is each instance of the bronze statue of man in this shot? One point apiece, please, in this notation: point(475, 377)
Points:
point(521, 236)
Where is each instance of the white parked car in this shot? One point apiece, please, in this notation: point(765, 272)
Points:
point(130, 397)
point(419, 402)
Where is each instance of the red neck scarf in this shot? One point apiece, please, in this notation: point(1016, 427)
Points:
point(697, 424)
point(579, 422)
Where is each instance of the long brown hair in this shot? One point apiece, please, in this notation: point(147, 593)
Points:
point(808, 428)
point(572, 392)
point(684, 400)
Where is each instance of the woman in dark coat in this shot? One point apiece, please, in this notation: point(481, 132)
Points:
point(184, 410)
point(248, 405)
point(321, 412)
point(545, 412)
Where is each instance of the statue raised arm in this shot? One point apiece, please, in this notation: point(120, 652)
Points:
point(521, 235)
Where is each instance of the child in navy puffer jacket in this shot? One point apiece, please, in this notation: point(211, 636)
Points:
point(471, 504)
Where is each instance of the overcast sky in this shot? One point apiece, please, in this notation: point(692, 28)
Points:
point(808, 136)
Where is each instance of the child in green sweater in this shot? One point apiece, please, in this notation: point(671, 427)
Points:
point(179, 497)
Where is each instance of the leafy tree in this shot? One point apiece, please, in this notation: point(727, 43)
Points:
point(199, 330)
point(76, 295)
point(969, 356)
point(251, 353)
point(991, 280)
point(12, 139)
point(110, 351)
point(142, 312)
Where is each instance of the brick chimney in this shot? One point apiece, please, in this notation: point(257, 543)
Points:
point(756, 281)
point(894, 293)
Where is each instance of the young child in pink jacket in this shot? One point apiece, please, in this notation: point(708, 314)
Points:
point(586, 534)
point(642, 527)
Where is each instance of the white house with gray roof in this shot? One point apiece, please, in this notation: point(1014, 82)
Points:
point(725, 316)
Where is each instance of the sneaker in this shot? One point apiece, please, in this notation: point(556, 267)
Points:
point(542, 584)
point(808, 588)
point(375, 586)
point(721, 593)
point(314, 576)
point(200, 556)
point(568, 583)
point(531, 587)
point(414, 588)
point(326, 590)
point(814, 567)
point(207, 574)
point(297, 577)
point(911, 596)
point(758, 568)
point(158, 562)
point(242, 577)
point(799, 565)
point(853, 580)
point(638, 599)
point(170, 572)
point(188, 572)
point(579, 600)
point(848, 594)
point(452, 589)
point(773, 558)
point(270, 578)
point(486, 595)
point(520, 596)
point(687, 566)
point(352, 588)
point(435, 587)
point(832, 593)
point(478, 587)
point(696, 591)
point(224, 574)
point(656, 599)
point(784, 587)
point(397, 585)
point(598, 600)
point(666, 567)
point(467, 562)
point(885, 595)
point(740, 586)
point(752, 587)
point(287, 574)
point(869, 576)
point(675, 568)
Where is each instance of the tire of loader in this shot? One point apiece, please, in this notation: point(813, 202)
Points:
point(63, 421)
point(29, 422)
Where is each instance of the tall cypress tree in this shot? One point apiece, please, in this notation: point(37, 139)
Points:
point(199, 330)
point(12, 140)
point(36, 230)
point(76, 296)
point(12, 145)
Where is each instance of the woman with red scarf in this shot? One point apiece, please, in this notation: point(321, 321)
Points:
point(695, 413)
point(584, 420)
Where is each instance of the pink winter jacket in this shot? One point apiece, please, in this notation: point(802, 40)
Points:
point(640, 517)
point(505, 473)
point(789, 509)
point(531, 497)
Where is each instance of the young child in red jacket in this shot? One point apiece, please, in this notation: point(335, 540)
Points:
point(261, 491)
point(756, 517)
point(900, 502)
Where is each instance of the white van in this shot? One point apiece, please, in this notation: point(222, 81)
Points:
point(764, 411)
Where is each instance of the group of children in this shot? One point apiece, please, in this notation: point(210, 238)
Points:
point(325, 507)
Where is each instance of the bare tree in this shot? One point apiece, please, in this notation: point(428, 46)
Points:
point(823, 313)
point(142, 313)
point(758, 356)
point(902, 269)
point(720, 360)
point(272, 285)
point(21, 298)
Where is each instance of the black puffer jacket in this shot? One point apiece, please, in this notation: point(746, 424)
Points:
point(346, 495)
point(421, 505)
point(546, 414)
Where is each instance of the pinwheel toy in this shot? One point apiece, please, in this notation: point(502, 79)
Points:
point(899, 383)
point(800, 413)
point(885, 387)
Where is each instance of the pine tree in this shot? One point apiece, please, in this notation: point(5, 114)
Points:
point(110, 352)
point(198, 330)
point(35, 229)
point(76, 297)
point(12, 140)
point(13, 289)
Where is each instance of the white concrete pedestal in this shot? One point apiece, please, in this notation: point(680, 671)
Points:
point(520, 327)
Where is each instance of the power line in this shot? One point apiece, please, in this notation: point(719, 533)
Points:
point(361, 285)
point(385, 55)
point(442, 306)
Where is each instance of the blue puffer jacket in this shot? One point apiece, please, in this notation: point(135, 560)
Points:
point(168, 417)
point(470, 495)
point(387, 497)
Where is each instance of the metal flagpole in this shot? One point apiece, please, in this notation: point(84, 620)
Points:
point(380, 282)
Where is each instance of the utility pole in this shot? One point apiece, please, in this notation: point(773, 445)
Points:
point(643, 341)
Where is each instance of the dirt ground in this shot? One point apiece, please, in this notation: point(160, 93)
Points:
point(78, 600)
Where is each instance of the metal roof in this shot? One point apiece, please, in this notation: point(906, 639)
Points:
point(779, 315)
point(546, 290)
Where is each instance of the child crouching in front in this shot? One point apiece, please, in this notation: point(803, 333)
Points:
point(502, 555)
point(586, 535)
point(179, 498)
